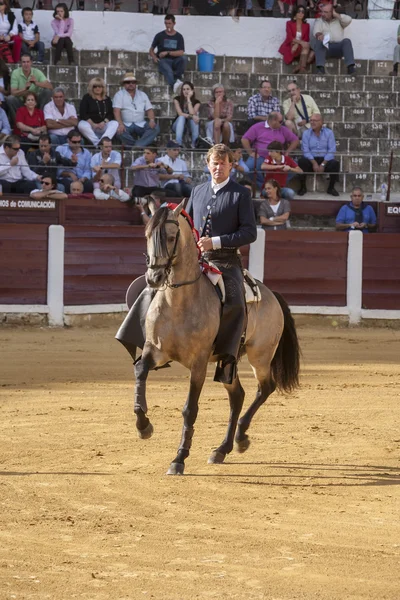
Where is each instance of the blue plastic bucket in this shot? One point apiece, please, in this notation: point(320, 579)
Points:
point(205, 61)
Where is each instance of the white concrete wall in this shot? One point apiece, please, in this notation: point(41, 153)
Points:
point(373, 39)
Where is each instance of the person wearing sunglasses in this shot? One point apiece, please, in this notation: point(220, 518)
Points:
point(48, 189)
point(15, 175)
point(108, 189)
point(297, 42)
point(96, 113)
point(80, 158)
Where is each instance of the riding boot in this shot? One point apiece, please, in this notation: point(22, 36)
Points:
point(303, 63)
point(226, 372)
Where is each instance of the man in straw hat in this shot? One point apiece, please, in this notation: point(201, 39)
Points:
point(131, 108)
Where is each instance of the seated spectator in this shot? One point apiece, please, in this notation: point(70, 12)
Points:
point(170, 53)
point(330, 41)
point(5, 80)
point(274, 212)
point(107, 161)
point(256, 140)
point(60, 117)
point(29, 121)
point(262, 104)
point(26, 79)
point(281, 4)
point(15, 175)
point(179, 182)
point(356, 215)
point(298, 109)
point(80, 158)
point(77, 191)
point(10, 42)
point(46, 159)
point(96, 113)
point(131, 106)
point(29, 33)
point(147, 174)
point(238, 165)
point(319, 148)
point(187, 119)
point(297, 42)
point(48, 189)
point(396, 56)
point(220, 113)
point(247, 184)
point(63, 27)
point(108, 190)
point(277, 167)
point(5, 128)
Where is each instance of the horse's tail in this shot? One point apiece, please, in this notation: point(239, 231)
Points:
point(286, 362)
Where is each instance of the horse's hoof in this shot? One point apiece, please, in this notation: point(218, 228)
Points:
point(146, 433)
point(216, 458)
point(242, 445)
point(176, 469)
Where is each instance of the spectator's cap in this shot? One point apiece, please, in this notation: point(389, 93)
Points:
point(172, 144)
point(129, 77)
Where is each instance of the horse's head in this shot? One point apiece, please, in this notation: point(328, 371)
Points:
point(162, 233)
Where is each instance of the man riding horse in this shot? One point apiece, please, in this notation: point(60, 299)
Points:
point(223, 214)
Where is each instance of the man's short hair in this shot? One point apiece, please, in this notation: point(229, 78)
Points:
point(105, 139)
point(59, 90)
point(357, 187)
point(44, 137)
point(277, 146)
point(245, 182)
point(25, 54)
point(78, 183)
point(265, 81)
point(273, 116)
point(152, 149)
point(25, 10)
point(10, 140)
point(51, 176)
point(73, 133)
point(220, 150)
point(111, 177)
point(169, 17)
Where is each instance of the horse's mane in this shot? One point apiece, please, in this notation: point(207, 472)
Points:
point(155, 229)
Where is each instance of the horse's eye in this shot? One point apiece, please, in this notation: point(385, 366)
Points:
point(171, 239)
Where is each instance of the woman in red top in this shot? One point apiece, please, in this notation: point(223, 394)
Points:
point(29, 120)
point(297, 42)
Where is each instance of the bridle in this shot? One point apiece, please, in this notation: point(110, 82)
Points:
point(168, 266)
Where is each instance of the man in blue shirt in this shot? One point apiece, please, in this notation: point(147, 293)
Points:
point(80, 158)
point(356, 215)
point(319, 147)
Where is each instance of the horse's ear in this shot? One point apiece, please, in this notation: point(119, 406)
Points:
point(152, 207)
point(177, 211)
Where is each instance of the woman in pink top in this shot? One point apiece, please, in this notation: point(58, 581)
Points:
point(63, 26)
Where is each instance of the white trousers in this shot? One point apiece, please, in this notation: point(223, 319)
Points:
point(97, 133)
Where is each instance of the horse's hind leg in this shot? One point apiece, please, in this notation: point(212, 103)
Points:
point(266, 387)
point(189, 412)
point(142, 367)
point(236, 398)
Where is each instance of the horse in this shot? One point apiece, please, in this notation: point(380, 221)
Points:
point(182, 323)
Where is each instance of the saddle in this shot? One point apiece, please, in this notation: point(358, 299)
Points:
point(251, 290)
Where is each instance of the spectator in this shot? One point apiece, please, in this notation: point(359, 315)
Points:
point(96, 113)
point(170, 53)
point(107, 161)
point(29, 121)
point(298, 109)
point(9, 38)
point(147, 174)
point(297, 42)
point(63, 27)
point(356, 215)
point(262, 104)
point(319, 148)
point(46, 159)
point(130, 108)
point(26, 79)
point(5, 80)
point(29, 33)
point(48, 189)
point(256, 140)
point(15, 175)
point(396, 56)
point(80, 158)
point(238, 165)
point(220, 113)
point(76, 191)
point(187, 108)
point(108, 190)
point(179, 182)
point(278, 166)
point(60, 117)
point(274, 212)
point(281, 4)
point(330, 41)
point(5, 128)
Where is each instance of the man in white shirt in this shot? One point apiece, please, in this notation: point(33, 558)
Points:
point(330, 41)
point(106, 161)
point(60, 117)
point(131, 107)
point(108, 190)
point(15, 175)
point(179, 181)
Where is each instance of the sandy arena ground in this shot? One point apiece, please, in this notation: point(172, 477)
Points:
point(311, 511)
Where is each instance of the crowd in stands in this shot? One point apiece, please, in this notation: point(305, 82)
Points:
point(48, 151)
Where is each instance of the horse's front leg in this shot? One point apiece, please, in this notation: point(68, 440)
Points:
point(142, 367)
point(190, 410)
point(236, 399)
